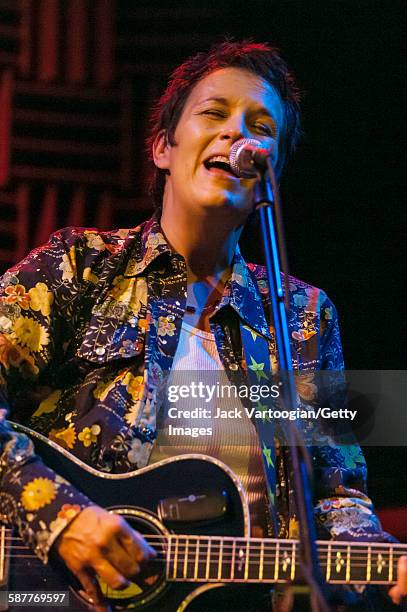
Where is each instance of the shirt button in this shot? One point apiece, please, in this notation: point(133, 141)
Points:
point(233, 366)
point(100, 350)
point(171, 317)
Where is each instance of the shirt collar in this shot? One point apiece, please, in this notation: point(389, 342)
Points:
point(241, 291)
point(243, 295)
point(148, 248)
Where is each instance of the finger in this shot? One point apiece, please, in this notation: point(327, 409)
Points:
point(398, 593)
point(395, 595)
point(134, 544)
point(139, 572)
point(122, 559)
point(402, 574)
point(110, 574)
point(136, 571)
point(283, 599)
point(92, 589)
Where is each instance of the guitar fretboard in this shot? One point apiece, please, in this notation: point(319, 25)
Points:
point(222, 559)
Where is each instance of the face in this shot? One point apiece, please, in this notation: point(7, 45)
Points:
point(223, 107)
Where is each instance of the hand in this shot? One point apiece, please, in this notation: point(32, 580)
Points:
point(398, 593)
point(98, 542)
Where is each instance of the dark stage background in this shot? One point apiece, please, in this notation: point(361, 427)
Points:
point(78, 78)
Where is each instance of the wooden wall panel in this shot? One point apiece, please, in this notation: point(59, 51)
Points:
point(104, 53)
point(6, 94)
point(77, 57)
point(62, 119)
point(48, 39)
point(26, 39)
point(76, 94)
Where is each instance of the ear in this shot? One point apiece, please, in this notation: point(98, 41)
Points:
point(161, 150)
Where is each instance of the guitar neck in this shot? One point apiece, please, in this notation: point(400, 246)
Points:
point(224, 559)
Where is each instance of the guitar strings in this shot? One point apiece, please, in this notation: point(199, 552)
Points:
point(268, 560)
point(202, 561)
point(254, 553)
point(203, 553)
point(336, 546)
point(289, 542)
point(229, 550)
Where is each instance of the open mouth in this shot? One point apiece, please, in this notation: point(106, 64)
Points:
point(219, 164)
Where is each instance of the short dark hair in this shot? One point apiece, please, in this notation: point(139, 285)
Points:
point(260, 58)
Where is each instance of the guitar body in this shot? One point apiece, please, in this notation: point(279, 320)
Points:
point(193, 510)
point(137, 497)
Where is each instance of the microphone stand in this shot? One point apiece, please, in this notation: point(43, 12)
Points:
point(267, 201)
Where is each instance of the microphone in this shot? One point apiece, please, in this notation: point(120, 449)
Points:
point(247, 157)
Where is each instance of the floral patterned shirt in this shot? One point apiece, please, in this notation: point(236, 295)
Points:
point(89, 326)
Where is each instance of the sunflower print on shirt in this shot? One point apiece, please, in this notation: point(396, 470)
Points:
point(89, 326)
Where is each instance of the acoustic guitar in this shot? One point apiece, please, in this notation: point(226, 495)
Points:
point(193, 510)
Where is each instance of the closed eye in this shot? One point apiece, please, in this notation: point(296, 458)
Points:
point(214, 113)
point(268, 130)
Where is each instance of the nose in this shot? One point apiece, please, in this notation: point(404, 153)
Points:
point(234, 129)
point(232, 135)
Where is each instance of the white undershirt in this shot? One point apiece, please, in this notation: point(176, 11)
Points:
point(233, 441)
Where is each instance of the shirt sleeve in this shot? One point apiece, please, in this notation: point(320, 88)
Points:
point(342, 504)
point(33, 497)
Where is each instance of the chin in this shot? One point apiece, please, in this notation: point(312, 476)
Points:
point(228, 208)
point(226, 200)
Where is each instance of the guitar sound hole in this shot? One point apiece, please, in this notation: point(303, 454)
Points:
point(141, 593)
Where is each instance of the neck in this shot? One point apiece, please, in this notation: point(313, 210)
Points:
point(206, 241)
